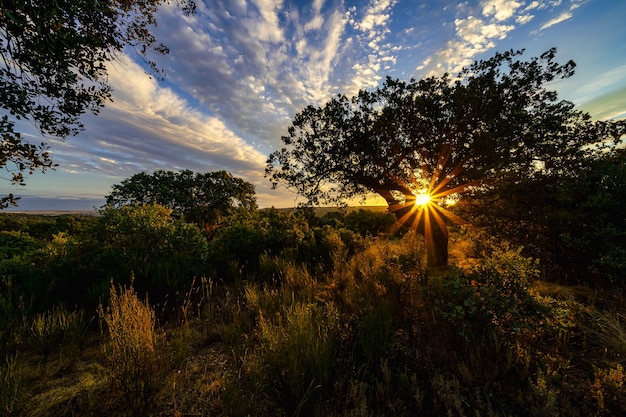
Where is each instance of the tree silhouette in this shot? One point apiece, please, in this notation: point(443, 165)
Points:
point(446, 137)
point(203, 199)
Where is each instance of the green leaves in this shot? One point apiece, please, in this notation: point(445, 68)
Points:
point(496, 117)
point(53, 70)
point(203, 199)
point(17, 157)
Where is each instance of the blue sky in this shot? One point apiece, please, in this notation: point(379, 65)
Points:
point(238, 72)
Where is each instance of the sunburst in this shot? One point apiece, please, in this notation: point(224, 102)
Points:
point(428, 206)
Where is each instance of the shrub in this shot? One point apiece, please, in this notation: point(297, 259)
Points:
point(163, 253)
point(367, 222)
point(133, 349)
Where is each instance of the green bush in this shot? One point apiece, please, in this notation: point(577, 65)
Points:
point(367, 222)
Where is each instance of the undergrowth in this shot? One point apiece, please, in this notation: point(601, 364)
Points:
point(372, 333)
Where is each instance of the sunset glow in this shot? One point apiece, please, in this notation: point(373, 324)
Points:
point(422, 199)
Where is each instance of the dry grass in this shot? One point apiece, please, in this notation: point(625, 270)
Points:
point(132, 350)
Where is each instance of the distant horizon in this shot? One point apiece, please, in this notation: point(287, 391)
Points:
point(61, 204)
point(33, 204)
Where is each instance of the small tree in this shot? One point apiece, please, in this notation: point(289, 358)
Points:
point(163, 254)
point(203, 199)
point(572, 220)
point(419, 144)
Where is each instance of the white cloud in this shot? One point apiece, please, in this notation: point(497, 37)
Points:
point(377, 15)
point(500, 9)
point(476, 31)
point(148, 127)
point(565, 15)
point(267, 28)
point(561, 18)
point(522, 20)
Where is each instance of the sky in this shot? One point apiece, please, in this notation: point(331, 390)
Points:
point(238, 71)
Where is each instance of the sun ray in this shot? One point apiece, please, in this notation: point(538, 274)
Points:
point(426, 207)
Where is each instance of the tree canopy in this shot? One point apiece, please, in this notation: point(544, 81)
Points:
point(573, 221)
point(203, 199)
point(493, 123)
point(52, 69)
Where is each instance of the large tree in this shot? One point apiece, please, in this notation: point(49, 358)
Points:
point(53, 57)
point(443, 137)
point(203, 199)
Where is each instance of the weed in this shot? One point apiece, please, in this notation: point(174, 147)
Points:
point(608, 331)
point(298, 349)
point(132, 350)
point(58, 329)
point(12, 388)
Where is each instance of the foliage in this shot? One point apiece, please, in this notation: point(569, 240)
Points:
point(54, 67)
point(367, 222)
point(496, 121)
point(133, 351)
point(13, 244)
point(43, 227)
point(203, 199)
point(329, 323)
point(26, 157)
point(251, 235)
point(238, 247)
point(163, 254)
point(493, 295)
point(572, 220)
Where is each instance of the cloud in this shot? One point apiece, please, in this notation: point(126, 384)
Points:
point(254, 66)
point(371, 26)
point(611, 105)
point(149, 127)
point(561, 18)
point(473, 35)
point(500, 9)
point(478, 29)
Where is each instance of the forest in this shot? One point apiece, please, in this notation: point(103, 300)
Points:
point(491, 284)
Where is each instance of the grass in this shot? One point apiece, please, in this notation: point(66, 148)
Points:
point(12, 388)
point(132, 349)
point(374, 335)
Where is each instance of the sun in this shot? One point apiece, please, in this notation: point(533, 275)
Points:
point(422, 199)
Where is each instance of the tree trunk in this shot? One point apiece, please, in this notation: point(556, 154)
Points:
point(435, 235)
point(436, 245)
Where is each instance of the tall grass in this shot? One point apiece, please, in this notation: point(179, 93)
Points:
point(133, 348)
point(298, 346)
point(12, 388)
point(60, 330)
